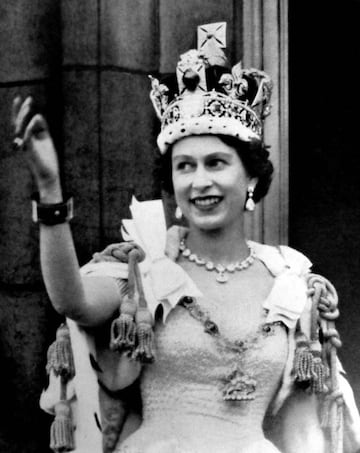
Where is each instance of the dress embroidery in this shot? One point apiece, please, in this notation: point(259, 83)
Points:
point(237, 385)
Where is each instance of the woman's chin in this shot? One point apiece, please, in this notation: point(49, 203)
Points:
point(216, 218)
point(207, 222)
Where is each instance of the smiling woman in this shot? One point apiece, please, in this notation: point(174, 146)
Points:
point(232, 342)
point(254, 155)
point(210, 182)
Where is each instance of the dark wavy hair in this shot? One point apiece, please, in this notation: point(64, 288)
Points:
point(254, 155)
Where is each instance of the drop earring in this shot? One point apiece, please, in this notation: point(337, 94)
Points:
point(250, 204)
point(178, 213)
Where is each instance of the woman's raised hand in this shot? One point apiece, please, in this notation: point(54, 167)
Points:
point(32, 134)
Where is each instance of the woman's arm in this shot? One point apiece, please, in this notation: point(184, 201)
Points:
point(296, 427)
point(88, 301)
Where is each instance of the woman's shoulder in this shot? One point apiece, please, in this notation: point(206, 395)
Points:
point(278, 258)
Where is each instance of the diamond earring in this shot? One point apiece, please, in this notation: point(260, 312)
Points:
point(178, 213)
point(250, 203)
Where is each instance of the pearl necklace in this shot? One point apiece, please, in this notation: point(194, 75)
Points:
point(219, 268)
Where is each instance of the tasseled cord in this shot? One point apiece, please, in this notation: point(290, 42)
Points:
point(320, 370)
point(59, 357)
point(132, 331)
point(61, 431)
point(309, 367)
point(123, 328)
point(144, 325)
point(303, 362)
point(324, 297)
point(61, 363)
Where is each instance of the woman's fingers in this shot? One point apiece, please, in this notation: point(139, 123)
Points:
point(32, 135)
point(24, 114)
point(15, 109)
point(27, 124)
point(36, 127)
point(111, 250)
point(115, 252)
point(106, 254)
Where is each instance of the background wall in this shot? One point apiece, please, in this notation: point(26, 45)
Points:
point(30, 62)
point(86, 63)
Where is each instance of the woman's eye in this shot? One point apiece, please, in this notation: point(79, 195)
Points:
point(184, 166)
point(216, 163)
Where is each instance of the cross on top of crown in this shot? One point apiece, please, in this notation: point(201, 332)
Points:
point(211, 32)
point(211, 40)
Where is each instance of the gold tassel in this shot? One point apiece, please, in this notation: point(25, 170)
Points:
point(320, 372)
point(128, 334)
point(61, 431)
point(144, 351)
point(123, 329)
point(145, 336)
point(303, 362)
point(59, 356)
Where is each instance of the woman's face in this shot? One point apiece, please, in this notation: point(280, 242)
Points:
point(210, 182)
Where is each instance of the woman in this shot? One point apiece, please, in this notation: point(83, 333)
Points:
point(236, 337)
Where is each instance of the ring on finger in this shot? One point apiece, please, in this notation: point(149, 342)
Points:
point(18, 143)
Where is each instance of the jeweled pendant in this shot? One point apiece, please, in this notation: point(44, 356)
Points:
point(222, 277)
point(239, 387)
point(250, 204)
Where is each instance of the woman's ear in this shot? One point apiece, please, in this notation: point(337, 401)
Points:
point(253, 182)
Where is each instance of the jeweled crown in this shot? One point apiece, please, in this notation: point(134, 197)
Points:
point(211, 97)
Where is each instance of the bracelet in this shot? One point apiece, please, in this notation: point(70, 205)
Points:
point(52, 214)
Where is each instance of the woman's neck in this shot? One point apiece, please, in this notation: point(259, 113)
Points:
point(219, 246)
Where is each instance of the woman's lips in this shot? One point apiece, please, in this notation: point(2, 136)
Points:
point(207, 202)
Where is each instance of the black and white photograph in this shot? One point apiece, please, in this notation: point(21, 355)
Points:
point(179, 226)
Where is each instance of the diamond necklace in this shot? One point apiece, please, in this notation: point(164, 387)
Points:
point(219, 268)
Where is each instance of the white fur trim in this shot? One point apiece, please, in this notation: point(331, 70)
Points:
point(201, 126)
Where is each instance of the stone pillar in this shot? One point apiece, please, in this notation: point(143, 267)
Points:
point(29, 65)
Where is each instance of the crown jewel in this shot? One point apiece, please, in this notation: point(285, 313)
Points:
point(212, 98)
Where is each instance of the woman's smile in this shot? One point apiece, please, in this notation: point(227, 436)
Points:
point(206, 202)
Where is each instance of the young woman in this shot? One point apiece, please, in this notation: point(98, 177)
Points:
point(244, 348)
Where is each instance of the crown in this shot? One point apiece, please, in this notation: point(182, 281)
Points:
point(210, 96)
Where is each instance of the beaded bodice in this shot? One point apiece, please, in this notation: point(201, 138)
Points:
point(183, 391)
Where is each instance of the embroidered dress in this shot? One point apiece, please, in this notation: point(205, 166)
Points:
point(205, 357)
point(186, 393)
point(183, 391)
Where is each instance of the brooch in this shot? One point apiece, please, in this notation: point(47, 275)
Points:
point(238, 386)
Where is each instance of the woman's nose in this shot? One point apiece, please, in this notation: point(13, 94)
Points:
point(201, 179)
